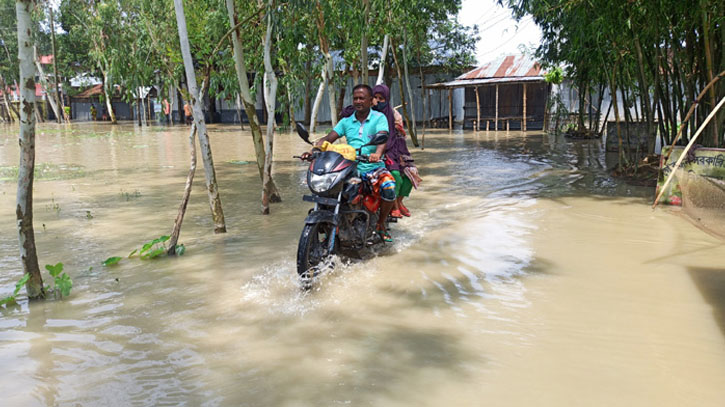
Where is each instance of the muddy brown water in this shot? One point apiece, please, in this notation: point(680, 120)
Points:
point(526, 276)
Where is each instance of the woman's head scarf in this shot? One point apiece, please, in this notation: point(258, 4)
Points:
point(387, 110)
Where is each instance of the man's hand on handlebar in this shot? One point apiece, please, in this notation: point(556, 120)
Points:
point(374, 157)
point(309, 155)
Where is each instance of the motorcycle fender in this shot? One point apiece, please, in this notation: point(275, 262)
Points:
point(321, 216)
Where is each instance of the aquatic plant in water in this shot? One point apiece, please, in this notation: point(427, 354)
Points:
point(111, 261)
point(10, 299)
point(155, 248)
point(62, 283)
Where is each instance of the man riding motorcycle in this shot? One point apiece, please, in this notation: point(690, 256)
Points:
point(358, 129)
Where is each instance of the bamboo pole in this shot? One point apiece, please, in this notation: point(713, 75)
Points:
point(523, 122)
point(684, 152)
point(496, 122)
point(478, 110)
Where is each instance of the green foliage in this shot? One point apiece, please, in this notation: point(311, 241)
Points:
point(62, 283)
point(657, 54)
point(152, 249)
point(554, 76)
point(111, 261)
point(10, 299)
point(180, 249)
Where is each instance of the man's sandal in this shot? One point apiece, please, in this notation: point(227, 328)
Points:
point(384, 235)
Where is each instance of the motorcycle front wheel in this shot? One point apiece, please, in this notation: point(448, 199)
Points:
point(313, 250)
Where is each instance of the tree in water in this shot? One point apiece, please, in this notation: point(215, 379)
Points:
point(270, 98)
point(24, 211)
point(211, 182)
point(248, 102)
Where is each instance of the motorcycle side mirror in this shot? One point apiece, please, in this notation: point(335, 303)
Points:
point(378, 138)
point(302, 132)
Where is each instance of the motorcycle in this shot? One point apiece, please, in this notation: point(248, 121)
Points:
point(345, 213)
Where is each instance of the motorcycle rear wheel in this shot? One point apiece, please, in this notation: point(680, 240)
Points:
point(313, 250)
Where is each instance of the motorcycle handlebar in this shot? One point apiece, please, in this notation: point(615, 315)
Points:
point(360, 158)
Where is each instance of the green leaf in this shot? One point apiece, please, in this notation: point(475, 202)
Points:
point(111, 261)
point(9, 300)
point(180, 249)
point(154, 253)
point(64, 284)
point(132, 253)
point(54, 270)
point(164, 238)
point(21, 283)
point(147, 246)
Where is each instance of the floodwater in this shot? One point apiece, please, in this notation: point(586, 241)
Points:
point(526, 277)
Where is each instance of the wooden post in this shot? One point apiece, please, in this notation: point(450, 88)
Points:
point(487, 123)
point(546, 108)
point(496, 124)
point(523, 122)
point(450, 109)
point(478, 111)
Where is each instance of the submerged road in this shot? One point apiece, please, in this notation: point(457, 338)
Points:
point(526, 276)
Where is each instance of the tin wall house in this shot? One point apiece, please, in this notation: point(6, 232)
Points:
point(507, 93)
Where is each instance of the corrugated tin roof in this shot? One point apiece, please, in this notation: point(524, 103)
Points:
point(506, 67)
point(487, 81)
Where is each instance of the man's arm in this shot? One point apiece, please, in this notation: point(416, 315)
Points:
point(381, 127)
point(330, 137)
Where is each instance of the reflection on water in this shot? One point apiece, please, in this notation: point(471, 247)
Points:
point(526, 276)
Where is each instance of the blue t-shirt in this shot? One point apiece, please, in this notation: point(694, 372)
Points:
point(350, 128)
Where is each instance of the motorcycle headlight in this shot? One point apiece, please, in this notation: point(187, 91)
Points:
point(321, 183)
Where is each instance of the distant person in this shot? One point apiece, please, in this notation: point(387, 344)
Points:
point(94, 112)
point(188, 113)
point(166, 109)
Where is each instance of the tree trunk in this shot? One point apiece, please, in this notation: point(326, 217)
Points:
point(215, 202)
point(270, 96)
point(187, 193)
point(241, 70)
point(111, 114)
point(414, 129)
point(424, 91)
point(24, 210)
point(180, 101)
point(331, 89)
point(364, 44)
point(318, 101)
point(138, 107)
point(308, 92)
point(708, 63)
point(381, 65)
point(644, 90)
point(148, 107)
point(8, 106)
point(291, 108)
point(413, 137)
point(142, 110)
point(613, 88)
point(341, 97)
point(58, 96)
point(44, 83)
point(239, 110)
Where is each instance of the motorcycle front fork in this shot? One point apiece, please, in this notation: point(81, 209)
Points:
point(334, 230)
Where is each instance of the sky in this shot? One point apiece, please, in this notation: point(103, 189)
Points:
point(500, 33)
